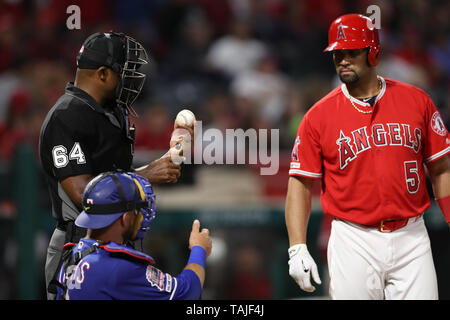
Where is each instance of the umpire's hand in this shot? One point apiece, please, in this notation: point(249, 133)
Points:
point(190, 130)
point(162, 170)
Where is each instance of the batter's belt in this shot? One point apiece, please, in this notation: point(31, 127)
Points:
point(389, 225)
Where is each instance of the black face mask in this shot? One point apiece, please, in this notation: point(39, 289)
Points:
point(124, 56)
point(131, 81)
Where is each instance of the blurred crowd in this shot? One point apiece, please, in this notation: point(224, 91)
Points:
point(234, 63)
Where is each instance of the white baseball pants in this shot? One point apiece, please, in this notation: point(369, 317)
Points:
point(367, 264)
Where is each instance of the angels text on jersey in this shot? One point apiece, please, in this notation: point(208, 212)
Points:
point(378, 135)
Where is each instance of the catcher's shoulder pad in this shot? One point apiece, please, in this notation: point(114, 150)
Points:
point(125, 252)
point(69, 246)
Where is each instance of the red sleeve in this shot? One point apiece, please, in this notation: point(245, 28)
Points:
point(437, 140)
point(306, 156)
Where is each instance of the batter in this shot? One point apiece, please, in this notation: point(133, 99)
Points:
point(370, 142)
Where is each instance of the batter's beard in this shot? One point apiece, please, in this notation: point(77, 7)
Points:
point(349, 79)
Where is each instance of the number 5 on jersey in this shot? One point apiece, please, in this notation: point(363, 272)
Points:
point(60, 158)
point(412, 176)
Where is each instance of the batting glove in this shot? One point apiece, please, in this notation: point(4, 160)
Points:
point(302, 266)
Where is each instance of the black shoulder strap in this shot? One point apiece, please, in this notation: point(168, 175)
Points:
point(75, 258)
point(71, 261)
point(54, 283)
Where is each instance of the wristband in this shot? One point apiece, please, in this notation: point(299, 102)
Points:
point(198, 256)
point(444, 204)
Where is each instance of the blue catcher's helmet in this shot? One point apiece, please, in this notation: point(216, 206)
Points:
point(149, 212)
point(109, 195)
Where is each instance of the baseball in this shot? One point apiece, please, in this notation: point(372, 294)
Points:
point(185, 118)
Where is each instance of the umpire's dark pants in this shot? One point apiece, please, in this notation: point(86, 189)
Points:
point(54, 253)
point(65, 232)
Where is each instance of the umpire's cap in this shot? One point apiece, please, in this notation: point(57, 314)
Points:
point(103, 49)
point(107, 197)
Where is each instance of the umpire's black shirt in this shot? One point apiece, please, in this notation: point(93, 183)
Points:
point(78, 137)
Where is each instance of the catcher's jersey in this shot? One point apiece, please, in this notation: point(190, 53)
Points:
point(371, 165)
point(118, 272)
point(78, 137)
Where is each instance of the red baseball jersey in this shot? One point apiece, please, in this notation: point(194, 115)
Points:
point(371, 165)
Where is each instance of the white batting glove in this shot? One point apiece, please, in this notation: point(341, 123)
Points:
point(302, 266)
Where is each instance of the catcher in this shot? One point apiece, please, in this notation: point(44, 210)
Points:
point(118, 208)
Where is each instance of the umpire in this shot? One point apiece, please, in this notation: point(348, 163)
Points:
point(88, 132)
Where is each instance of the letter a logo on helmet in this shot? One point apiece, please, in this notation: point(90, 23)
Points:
point(340, 32)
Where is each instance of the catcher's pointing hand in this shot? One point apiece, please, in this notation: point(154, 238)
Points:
point(302, 266)
point(200, 238)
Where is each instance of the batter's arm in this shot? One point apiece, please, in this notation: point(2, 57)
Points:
point(298, 208)
point(439, 171)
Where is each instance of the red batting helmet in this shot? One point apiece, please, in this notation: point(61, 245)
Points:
point(354, 31)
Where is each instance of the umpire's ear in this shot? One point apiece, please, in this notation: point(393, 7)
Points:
point(103, 73)
point(107, 78)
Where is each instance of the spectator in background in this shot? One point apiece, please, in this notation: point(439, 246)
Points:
point(47, 79)
point(9, 82)
point(218, 12)
point(266, 86)
point(412, 50)
point(186, 77)
point(439, 52)
point(249, 280)
point(171, 15)
point(394, 67)
point(14, 130)
point(8, 40)
point(293, 115)
point(219, 112)
point(236, 51)
point(187, 59)
point(154, 129)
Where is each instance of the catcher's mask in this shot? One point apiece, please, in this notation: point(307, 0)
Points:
point(124, 55)
point(111, 194)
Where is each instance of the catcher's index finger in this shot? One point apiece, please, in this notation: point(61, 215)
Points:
point(196, 225)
